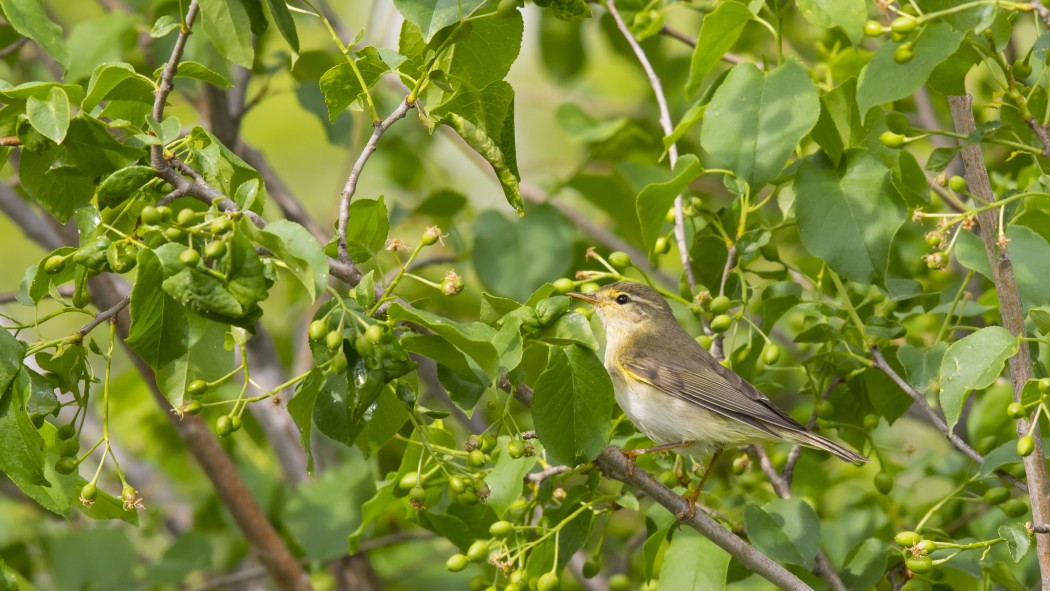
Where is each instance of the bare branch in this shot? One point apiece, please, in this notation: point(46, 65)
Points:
point(167, 83)
point(104, 315)
point(668, 129)
point(355, 173)
point(677, 35)
point(1013, 320)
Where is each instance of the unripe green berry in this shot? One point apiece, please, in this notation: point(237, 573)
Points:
point(456, 563)
point(720, 304)
point(89, 492)
point(997, 495)
point(589, 287)
point(66, 465)
point(904, 53)
point(907, 539)
point(197, 388)
point(467, 497)
point(548, 582)
point(318, 330)
point(591, 567)
point(150, 216)
point(374, 333)
point(563, 285)
point(920, 565)
point(721, 323)
point(339, 363)
point(825, 409)
point(214, 249)
point(458, 484)
point(186, 216)
point(516, 448)
point(417, 494)
point(477, 583)
point(235, 422)
point(476, 459)
point(926, 546)
point(54, 264)
point(193, 407)
point(770, 354)
point(662, 245)
point(883, 483)
point(333, 340)
point(1014, 508)
point(903, 24)
point(506, 8)
point(224, 426)
point(501, 529)
point(670, 216)
point(174, 233)
point(705, 341)
point(478, 551)
point(873, 29)
point(1021, 69)
point(619, 259)
point(220, 225)
point(408, 481)
point(1015, 410)
point(66, 431)
point(957, 183)
point(189, 257)
point(871, 421)
point(164, 212)
point(1025, 446)
point(487, 443)
point(892, 140)
point(1044, 385)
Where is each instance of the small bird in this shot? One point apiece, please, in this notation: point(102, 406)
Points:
point(675, 392)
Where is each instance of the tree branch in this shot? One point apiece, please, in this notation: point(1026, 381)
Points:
point(355, 173)
point(614, 464)
point(1013, 320)
point(668, 129)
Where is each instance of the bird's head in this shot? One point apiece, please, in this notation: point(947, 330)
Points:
point(627, 305)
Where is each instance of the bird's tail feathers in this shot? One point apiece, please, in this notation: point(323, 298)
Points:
point(810, 439)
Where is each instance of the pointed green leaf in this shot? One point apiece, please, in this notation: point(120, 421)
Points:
point(474, 339)
point(719, 31)
point(51, 116)
point(285, 24)
point(846, 14)
point(228, 27)
point(341, 86)
point(505, 254)
point(29, 18)
point(755, 120)
point(1017, 539)
point(847, 215)
point(433, 15)
point(972, 363)
point(683, 571)
point(159, 328)
point(657, 198)
point(572, 405)
point(367, 228)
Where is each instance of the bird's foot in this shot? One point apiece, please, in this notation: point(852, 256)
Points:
point(690, 511)
point(632, 454)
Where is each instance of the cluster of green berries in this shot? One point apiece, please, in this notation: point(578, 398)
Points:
point(1018, 411)
point(718, 308)
point(900, 29)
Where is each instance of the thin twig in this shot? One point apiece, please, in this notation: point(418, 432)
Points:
point(880, 363)
point(10, 140)
point(677, 35)
point(167, 83)
point(546, 473)
point(668, 128)
point(1012, 314)
point(13, 47)
point(104, 315)
point(355, 173)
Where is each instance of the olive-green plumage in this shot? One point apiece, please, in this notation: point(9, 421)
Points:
point(674, 391)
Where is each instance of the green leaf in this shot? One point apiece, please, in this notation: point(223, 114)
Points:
point(847, 214)
point(346, 402)
point(159, 328)
point(1017, 539)
point(98, 41)
point(512, 257)
point(21, 446)
point(765, 114)
point(572, 405)
point(341, 86)
point(777, 299)
point(683, 571)
point(50, 117)
point(506, 479)
point(800, 523)
point(197, 71)
point(571, 328)
point(656, 198)
point(921, 367)
point(433, 15)
point(847, 14)
point(1029, 252)
point(387, 418)
point(865, 564)
point(937, 42)
point(366, 229)
point(488, 52)
point(285, 24)
point(469, 382)
point(94, 151)
point(718, 32)
point(1041, 318)
point(29, 18)
point(767, 534)
point(315, 521)
point(104, 79)
point(972, 363)
point(205, 358)
point(122, 185)
point(11, 353)
point(299, 250)
point(227, 26)
point(485, 120)
point(473, 339)
point(225, 170)
point(301, 407)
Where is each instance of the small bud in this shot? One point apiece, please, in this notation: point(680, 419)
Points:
point(432, 235)
point(394, 244)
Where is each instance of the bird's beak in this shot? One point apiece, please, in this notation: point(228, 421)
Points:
point(585, 297)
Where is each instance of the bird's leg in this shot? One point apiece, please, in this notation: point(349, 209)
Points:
point(693, 496)
point(634, 453)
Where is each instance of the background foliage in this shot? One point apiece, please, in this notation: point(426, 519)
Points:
point(248, 219)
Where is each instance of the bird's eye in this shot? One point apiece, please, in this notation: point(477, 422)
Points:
point(622, 299)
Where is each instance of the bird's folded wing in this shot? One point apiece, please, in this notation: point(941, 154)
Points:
point(718, 389)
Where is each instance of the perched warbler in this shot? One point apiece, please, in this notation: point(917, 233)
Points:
point(675, 392)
